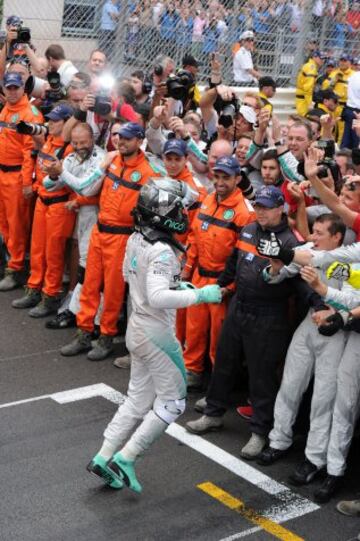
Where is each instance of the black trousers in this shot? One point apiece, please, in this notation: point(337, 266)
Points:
point(260, 335)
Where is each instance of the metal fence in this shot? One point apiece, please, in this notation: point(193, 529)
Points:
point(134, 32)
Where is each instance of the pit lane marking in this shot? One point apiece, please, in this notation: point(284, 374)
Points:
point(288, 505)
point(249, 514)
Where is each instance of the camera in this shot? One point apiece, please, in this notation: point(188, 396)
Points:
point(103, 102)
point(23, 35)
point(328, 146)
point(179, 85)
point(55, 93)
point(229, 112)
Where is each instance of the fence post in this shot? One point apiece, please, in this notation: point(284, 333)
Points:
point(303, 37)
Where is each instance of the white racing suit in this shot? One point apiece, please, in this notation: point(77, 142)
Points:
point(347, 401)
point(309, 354)
point(157, 386)
point(76, 174)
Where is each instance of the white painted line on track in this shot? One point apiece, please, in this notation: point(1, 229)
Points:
point(289, 504)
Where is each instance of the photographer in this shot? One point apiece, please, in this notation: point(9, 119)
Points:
point(53, 222)
point(16, 37)
point(219, 102)
point(16, 174)
point(55, 54)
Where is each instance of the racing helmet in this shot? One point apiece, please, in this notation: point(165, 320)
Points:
point(161, 205)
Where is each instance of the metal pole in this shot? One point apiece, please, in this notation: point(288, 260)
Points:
point(299, 56)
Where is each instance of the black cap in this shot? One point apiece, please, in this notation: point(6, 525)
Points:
point(267, 81)
point(190, 60)
point(329, 95)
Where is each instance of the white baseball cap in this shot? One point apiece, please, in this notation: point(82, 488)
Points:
point(248, 34)
point(248, 113)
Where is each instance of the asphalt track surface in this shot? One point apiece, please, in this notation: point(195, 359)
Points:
point(194, 488)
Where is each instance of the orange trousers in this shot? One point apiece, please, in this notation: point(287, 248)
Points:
point(103, 273)
point(14, 218)
point(52, 226)
point(203, 326)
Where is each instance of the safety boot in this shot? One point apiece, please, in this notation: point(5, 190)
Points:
point(253, 447)
point(200, 405)
point(351, 508)
point(194, 380)
point(47, 306)
point(9, 281)
point(31, 298)
point(103, 348)
point(81, 342)
point(205, 424)
point(122, 362)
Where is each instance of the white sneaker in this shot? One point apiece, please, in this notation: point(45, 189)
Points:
point(253, 447)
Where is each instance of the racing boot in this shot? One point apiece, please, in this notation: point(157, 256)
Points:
point(98, 466)
point(9, 281)
point(31, 298)
point(103, 348)
point(47, 306)
point(81, 342)
point(205, 424)
point(253, 447)
point(124, 470)
point(64, 320)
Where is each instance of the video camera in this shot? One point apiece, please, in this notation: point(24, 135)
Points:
point(23, 34)
point(179, 85)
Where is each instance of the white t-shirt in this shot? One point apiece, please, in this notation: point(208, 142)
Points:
point(66, 72)
point(353, 99)
point(242, 63)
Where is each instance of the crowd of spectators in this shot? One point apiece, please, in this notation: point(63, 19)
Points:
point(76, 148)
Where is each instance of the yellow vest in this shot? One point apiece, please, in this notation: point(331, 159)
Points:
point(338, 81)
point(266, 104)
point(306, 79)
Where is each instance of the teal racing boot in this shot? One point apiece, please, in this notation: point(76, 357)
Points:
point(124, 469)
point(98, 466)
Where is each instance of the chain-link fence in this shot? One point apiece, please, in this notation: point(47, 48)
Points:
point(134, 32)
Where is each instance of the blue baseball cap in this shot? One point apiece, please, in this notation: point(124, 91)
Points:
point(320, 54)
point(269, 197)
point(131, 130)
point(175, 146)
point(13, 20)
point(63, 111)
point(346, 57)
point(12, 79)
point(228, 165)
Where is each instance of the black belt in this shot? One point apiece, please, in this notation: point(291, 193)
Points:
point(208, 273)
point(9, 168)
point(52, 200)
point(115, 229)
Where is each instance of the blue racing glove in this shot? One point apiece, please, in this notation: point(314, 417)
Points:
point(208, 294)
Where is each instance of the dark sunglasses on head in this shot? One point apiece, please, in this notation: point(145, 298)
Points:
point(352, 186)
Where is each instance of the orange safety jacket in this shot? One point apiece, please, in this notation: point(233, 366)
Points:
point(215, 231)
point(17, 149)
